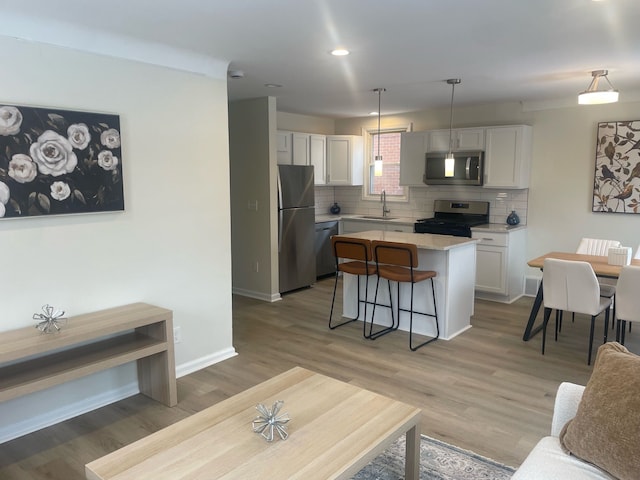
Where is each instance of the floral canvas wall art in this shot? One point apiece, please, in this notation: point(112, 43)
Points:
point(616, 187)
point(59, 162)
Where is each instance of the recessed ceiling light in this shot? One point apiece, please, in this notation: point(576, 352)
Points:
point(373, 113)
point(340, 52)
point(272, 85)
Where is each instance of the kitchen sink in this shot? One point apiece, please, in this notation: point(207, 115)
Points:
point(377, 217)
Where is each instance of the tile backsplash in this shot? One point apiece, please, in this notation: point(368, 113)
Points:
point(421, 199)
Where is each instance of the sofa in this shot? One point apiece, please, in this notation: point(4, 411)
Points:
point(599, 424)
point(547, 460)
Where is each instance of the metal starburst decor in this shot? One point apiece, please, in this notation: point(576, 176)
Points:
point(269, 422)
point(51, 320)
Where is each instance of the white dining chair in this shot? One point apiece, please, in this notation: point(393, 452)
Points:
point(572, 286)
point(627, 298)
point(596, 246)
point(600, 247)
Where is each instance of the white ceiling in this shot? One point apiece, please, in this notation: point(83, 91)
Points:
point(503, 50)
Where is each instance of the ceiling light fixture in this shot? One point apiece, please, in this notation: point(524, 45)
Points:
point(340, 52)
point(377, 164)
point(449, 161)
point(593, 95)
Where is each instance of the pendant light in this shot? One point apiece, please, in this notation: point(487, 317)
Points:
point(449, 161)
point(377, 164)
point(593, 95)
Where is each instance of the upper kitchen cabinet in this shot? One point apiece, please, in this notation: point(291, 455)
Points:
point(318, 158)
point(300, 146)
point(461, 139)
point(508, 156)
point(413, 147)
point(284, 147)
point(345, 160)
point(296, 148)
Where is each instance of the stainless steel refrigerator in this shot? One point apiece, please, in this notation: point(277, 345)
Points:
point(296, 227)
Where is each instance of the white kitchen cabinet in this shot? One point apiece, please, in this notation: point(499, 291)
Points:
point(283, 147)
point(461, 139)
point(413, 147)
point(500, 264)
point(507, 159)
point(300, 146)
point(345, 159)
point(318, 158)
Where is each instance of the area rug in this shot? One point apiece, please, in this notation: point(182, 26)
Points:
point(438, 461)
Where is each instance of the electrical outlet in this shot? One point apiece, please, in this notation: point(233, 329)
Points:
point(177, 335)
point(256, 266)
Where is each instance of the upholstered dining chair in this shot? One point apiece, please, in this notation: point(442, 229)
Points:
point(355, 254)
point(600, 247)
point(398, 262)
point(628, 299)
point(572, 286)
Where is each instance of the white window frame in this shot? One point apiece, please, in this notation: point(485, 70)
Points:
point(367, 135)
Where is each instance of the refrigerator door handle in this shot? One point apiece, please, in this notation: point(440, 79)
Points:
point(280, 220)
point(279, 186)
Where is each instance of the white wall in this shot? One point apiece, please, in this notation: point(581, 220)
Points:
point(305, 123)
point(562, 172)
point(171, 247)
point(252, 133)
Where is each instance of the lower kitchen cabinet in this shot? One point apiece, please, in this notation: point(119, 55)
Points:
point(325, 261)
point(500, 264)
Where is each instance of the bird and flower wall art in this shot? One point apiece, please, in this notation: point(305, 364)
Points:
point(616, 186)
point(56, 162)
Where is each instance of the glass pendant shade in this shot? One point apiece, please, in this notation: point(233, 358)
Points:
point(594, 95)
point(377, 166)
point(449, 163)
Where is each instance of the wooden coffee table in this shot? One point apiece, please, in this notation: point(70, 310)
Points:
point(335, 430)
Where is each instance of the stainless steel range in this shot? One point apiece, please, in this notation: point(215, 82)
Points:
point(454, 217)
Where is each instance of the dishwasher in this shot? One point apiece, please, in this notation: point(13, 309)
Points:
point(325, 261)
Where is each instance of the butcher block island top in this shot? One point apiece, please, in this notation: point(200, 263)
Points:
point(425, 241)
point(335, 430)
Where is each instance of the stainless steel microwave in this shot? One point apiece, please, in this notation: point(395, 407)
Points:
point(468, 168)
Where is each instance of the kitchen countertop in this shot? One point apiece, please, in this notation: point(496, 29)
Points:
point(361, 218)
point(425, 241)
point(497, 228)
point(487, 227)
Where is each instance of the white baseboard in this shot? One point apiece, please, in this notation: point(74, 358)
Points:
point(203, 362)
point(9, 431)
point(257, 295)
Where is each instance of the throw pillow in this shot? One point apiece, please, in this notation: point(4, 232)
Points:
point(606, 428)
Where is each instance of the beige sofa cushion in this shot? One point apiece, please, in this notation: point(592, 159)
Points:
point(606, 428)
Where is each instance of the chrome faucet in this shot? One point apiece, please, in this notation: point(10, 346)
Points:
point(383, 199)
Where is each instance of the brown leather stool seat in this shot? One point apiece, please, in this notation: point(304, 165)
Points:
point(397, 262)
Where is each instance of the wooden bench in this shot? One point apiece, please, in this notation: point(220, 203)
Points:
point(31, 361)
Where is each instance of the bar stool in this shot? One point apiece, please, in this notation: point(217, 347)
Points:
point(358, 252)
point(397, 262)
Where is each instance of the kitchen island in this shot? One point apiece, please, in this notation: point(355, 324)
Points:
point(454, 261)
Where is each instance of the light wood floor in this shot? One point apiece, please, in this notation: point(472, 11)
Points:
point(486, 390)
